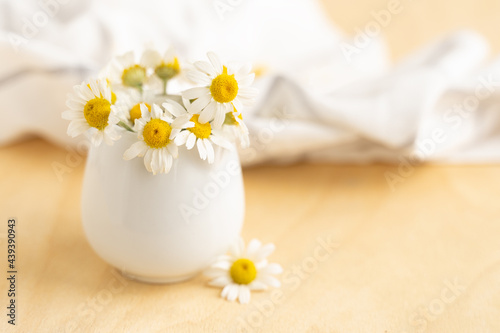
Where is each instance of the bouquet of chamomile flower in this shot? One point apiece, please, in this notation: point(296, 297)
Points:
point(131, 94)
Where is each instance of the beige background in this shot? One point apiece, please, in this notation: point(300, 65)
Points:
point(420, 21)
point(422, 258)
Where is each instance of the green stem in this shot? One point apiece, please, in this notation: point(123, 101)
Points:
point(127, 127)
point(165, 87)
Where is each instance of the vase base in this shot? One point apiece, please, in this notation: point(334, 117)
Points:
point(158, 280)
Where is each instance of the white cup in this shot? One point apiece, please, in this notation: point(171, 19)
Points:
point(161, 228)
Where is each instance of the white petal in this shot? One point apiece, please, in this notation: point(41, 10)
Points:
point(111, 133)
point(244, 294)
point(271, 269)
point(156, 111)
point(194, 93)
point(231, 68)
point(199, 104)
point(213, 273)
point(94, 88)
point(174, 108)
point(104, 89)
point(201, 149)
point(245, 81)
point(226, 290)
point(155, 163)
point(260, 264)
point(182, 137)
point(113, 118)
point(183, 122)
point(139, 125)
point(222, 264)
point(199, 78)
point(246, 101)
point(264, 251)
point(77, 127)
point(126, 60)
point(219, 141)
point(144, 111)
point(75, 104)
point(169, 54)
point(83, 92)
point(168, 160)
point(214, 59)
point(220, 281)
point(247, 92)
point(257, 285)
point(148, 159)
point(150, 58)
point(205, 67)
point(173, 150)
point(225, 257)
point(137, 149)
point(253, 246)
point(96, 136)
point(208, 112)
point(244, 69)
point(167, 118)
point(191, 140)
point(237, 105)
point(210, 151)
point(232, 293)
point(220, 115)
point(269, 280)
point(107, 139)
point(174, 133)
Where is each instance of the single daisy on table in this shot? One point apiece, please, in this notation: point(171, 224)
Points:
point(237, 128)
point(244, 270)
point(92, 112)
point(156, 140)
point(126, 71)
point(223, 87)
point(193, 133)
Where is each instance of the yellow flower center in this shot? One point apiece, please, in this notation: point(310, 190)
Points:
point(156, 133)
point(201, 131)
point(135, 111)
point(166, 71)
point(134, 76)
point(96, 112)
point(231, 120)
point(224, 87)
point(243, 271)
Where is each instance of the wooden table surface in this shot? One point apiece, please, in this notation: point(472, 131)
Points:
point(424, 257)
point(392, 259)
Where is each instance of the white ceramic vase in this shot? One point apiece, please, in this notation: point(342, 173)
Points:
point(161, 228)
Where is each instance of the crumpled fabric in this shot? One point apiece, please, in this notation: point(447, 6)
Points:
point(317, 101)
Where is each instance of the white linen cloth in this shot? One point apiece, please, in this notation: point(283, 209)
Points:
point(440, 104)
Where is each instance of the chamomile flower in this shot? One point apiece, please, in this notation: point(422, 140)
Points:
point(237, 128)
point(92, 112)
point(156, 140)
point(130, 104)
point(244, 270)
point(165, 67)
point(126, 71)
point(223, 87)
point(193, 133)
